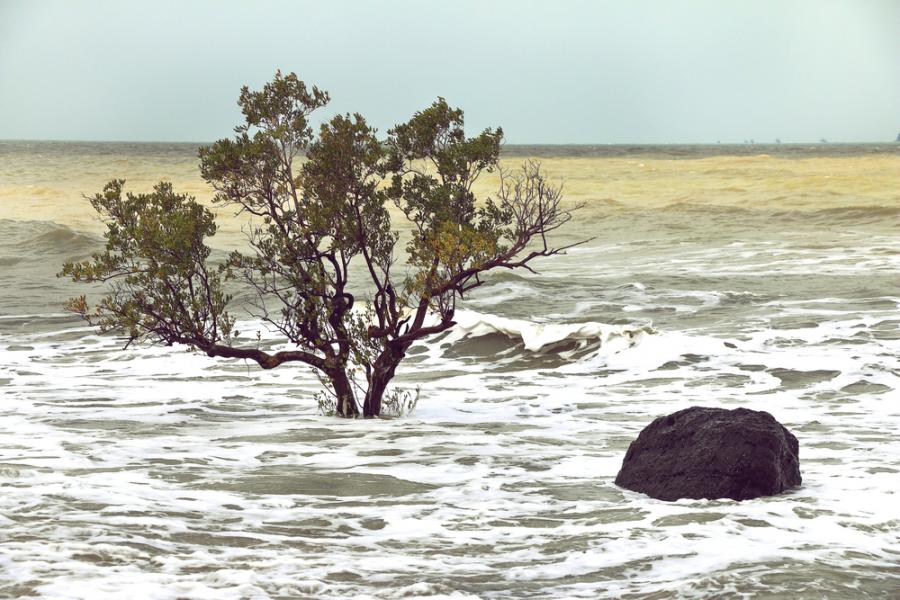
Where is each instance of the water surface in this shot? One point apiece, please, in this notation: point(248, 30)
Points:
point(764, 280)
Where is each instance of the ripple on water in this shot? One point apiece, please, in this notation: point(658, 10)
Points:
point(305, 482)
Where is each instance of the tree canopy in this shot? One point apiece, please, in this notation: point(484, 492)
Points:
point(320, 202)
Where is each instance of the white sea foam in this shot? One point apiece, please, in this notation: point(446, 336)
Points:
point(537, 335)
point(159, 473)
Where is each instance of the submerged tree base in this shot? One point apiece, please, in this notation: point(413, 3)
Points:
point(396, 404)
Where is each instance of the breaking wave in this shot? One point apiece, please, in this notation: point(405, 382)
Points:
point(487, 337)
point(538, 336)
point(34, 238)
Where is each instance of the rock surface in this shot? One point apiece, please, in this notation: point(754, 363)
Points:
point(712, 453)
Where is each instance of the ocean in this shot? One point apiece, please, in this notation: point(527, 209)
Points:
point(765, 277)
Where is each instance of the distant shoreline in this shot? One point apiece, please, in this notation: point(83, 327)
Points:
point(649, 151)
point(688, 151)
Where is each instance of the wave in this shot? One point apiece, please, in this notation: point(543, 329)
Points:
point(771, 208)
point(43, 237)
point(864, 213)
point(690, 207)
point(544, 336)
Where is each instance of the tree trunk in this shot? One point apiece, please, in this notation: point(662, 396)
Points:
point(382, 373)
point(372, 403)
point(343, 391)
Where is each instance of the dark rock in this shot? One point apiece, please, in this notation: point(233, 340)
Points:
point(712, 453)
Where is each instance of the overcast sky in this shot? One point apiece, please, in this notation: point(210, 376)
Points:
point(625, 71)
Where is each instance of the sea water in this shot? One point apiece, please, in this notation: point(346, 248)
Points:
point(766, 278)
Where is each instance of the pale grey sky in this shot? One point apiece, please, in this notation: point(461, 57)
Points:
point(559, 71)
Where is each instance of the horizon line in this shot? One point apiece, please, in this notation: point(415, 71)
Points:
point(820, 142)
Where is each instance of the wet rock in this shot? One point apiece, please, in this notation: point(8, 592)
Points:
point(712, 453)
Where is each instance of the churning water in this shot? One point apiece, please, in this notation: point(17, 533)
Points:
point(717, 278)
